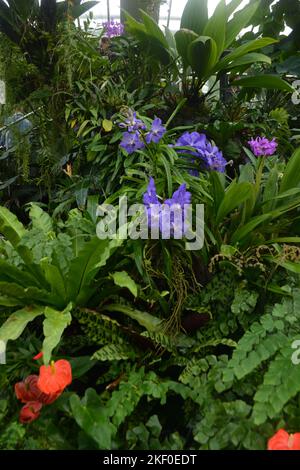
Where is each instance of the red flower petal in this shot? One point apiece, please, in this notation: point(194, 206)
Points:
point(38, 356)
point(53, 379)
point(30, 412)
point(28, 390)
point(284, 441)
point(294, 441)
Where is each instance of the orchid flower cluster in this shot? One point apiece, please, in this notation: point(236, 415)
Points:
point(136, 136)
point(113, 28)
point(263, 147)
point(211, 158)
point(169, 217)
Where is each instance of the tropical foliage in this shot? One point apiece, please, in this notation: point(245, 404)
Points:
point(126, 341)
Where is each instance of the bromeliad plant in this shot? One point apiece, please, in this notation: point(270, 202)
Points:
point(203, 49)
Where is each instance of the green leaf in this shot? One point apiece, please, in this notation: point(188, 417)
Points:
point(202, 55)
point(291, 176)
point(281, 376)
point(238, 22)
point(122, 279)
point(183, 38)
point(92, 417)
point(86, 265)
point(215, 27)
point(10, 226)
point(250, 58)
point(235, 195)
point(40, 219)
point(54, 277)
point(113, 352)
point(150, 322)
point(242, 50)
point(232, 6)
point(194, 16)
point(28, 295)
point(10, 272)
point(242, 232)
point(153, 29)
point(17, 322)
point(9, 301)
point(272, 82)
point(54, 325)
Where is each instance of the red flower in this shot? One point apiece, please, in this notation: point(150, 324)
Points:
point(28, 391)
point(284, 441)
point(55, 378)
point(30, 411)
point(38, 356)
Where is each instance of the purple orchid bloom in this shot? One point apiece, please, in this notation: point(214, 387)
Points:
point(132, 123)
point(131, 142)
point(211, 157)
point(156, 133)
point(152, 206)
point(113, 28)
point(169, 217)
point(150, 197)
point(193, 139)
point(177, 218)
point(262, 147)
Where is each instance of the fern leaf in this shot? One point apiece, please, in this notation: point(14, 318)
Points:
point(281, 383)
point(114, 352)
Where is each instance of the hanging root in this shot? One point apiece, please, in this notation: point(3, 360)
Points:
point(179, 292)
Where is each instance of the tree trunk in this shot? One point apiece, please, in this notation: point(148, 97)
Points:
point(149, 6)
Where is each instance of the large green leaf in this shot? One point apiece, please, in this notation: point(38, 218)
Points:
point(122, 279)
point(28, 295)
point(55, 279)
point(272, 82)
point(194, 16)
point(235, 195)
point(202, 55)
point(158, 48)
point(92, 417)
point(249, 46)
point(10, 272)
point(10, 226)
point(40, 219)
point(291, 176)
point(54, 325)
point(184, 37)
point(86, 265)
point(250, 58)
point(17, 322)
point(150, 322)
point(238, 22)
point(153, 29)
point(76, 11)
point(242, 232)
point(232, 6)
point(215, 27)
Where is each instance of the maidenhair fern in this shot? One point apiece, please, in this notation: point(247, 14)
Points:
point(281, 383)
